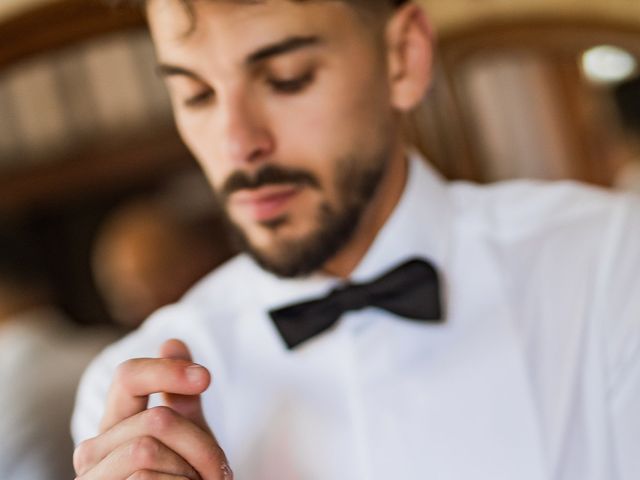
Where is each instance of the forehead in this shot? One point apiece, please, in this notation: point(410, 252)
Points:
point(225, 27)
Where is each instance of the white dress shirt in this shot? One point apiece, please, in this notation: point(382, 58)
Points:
point(535, 374)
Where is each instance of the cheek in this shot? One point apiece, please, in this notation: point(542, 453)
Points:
point(198, 136)
point(337, 119)
point(192, 132)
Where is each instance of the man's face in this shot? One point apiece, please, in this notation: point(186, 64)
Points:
point(286, 107)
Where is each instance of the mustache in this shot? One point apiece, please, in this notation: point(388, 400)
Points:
point(268, 175)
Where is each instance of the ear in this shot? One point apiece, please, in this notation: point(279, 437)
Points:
point(410, 45)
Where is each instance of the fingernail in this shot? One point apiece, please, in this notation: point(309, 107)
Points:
point(195, 373)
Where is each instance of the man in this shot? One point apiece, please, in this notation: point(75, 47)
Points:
point(514, 355)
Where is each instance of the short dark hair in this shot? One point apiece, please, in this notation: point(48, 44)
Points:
point(361, 3)
point(372, 8)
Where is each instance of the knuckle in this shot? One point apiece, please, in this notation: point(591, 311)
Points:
point(217, 460)
point(150, 475)
point(83, 456)
point(160, 419)
point(125, 372)
point(144, 451)
point(219, 455)
point(142, 475)
point(227, 473)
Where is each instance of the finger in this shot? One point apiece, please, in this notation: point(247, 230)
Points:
point(136, 379)
point(139, 454)
point(150, 475)
point(189, 406)
point(175, 348)
point(189, 441)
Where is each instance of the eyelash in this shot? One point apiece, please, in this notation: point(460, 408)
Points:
point(199, 99)
point(289, 86)
point(293, 85)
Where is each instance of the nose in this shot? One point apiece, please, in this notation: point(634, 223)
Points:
point(245, 138)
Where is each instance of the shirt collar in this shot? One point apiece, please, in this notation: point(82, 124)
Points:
point(418, 227)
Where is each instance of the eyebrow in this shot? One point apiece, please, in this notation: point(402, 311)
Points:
point(166, 70)
point(287, 45)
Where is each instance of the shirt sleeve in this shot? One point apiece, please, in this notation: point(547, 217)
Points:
point(620, 311)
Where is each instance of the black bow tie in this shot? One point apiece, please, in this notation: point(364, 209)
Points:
point(410, 290)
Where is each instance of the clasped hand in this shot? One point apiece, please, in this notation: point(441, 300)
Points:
point(171, 442)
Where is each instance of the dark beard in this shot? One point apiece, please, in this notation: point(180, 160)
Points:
point(356, 187)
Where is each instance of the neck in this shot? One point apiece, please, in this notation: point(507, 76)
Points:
point(374, 218)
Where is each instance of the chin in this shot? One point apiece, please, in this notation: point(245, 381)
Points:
point(295, 255)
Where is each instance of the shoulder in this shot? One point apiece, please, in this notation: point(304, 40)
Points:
point(564, 245)
point(517, 210)
point(225, 287)
point(546, 228)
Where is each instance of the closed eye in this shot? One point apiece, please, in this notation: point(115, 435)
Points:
point(200, 99)
point(293, 85)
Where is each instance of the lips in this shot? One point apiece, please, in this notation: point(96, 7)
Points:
point(265, 203)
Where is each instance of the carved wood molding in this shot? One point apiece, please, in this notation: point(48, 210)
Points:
point(92, 169)
point(96, 172)
point(546, 35)
point(559, 40)
point(60, 24)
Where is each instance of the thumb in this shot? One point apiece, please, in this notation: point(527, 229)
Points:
point(189, 406)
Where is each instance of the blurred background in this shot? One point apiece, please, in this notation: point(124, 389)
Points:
point(523, 88)
point(104, 215)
